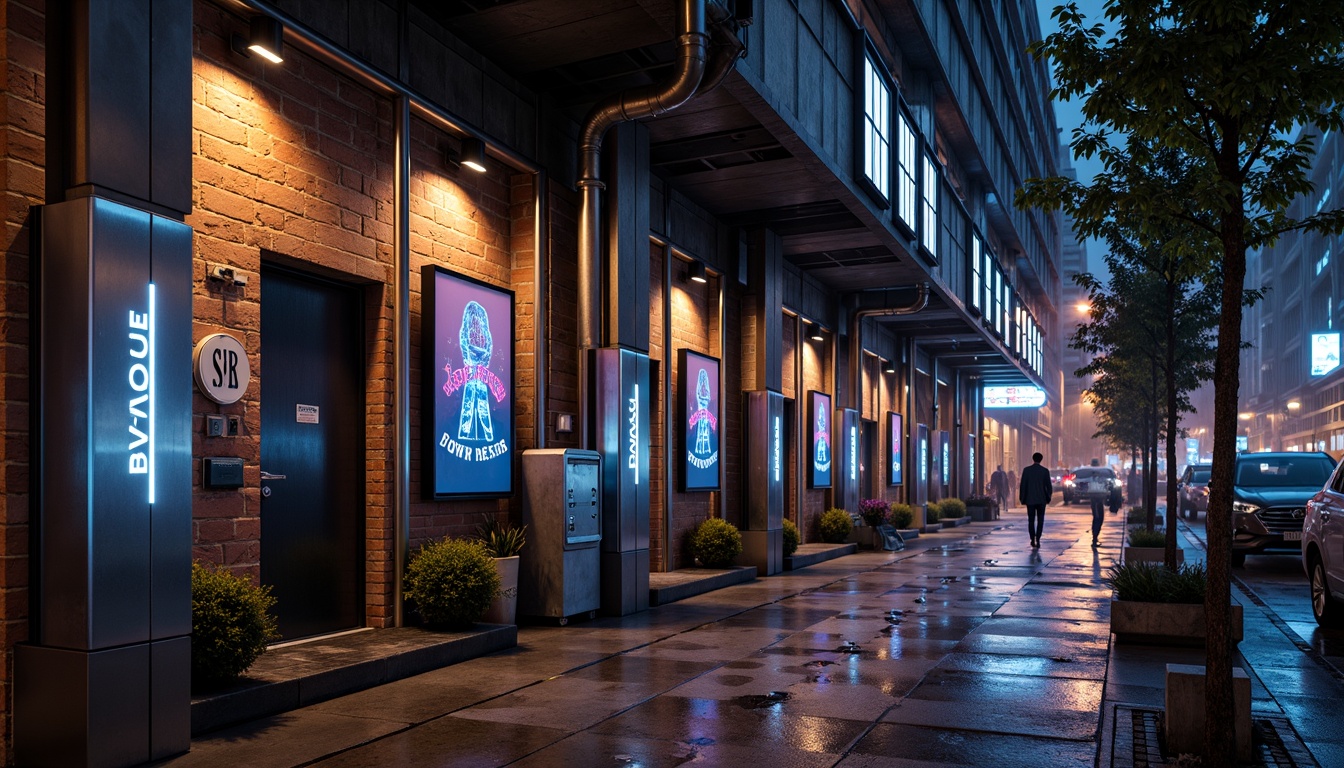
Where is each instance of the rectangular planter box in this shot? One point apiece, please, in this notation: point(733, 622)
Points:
point(982, 514)
point(1164, 623)
point(953, 522)
point(1151, 555)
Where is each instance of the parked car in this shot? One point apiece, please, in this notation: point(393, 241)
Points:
point(1057, 479)
point(1075, 487)
point(1323, 551)
point(1192, 490)
point(1270, 492)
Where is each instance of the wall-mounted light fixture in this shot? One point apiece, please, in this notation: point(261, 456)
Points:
point(888, 366)
point(1293, 405)
point(814, 332)
point(473, 154)
point(695, 271)
point(265, 38)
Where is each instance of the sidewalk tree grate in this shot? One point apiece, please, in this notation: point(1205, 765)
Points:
point(1138, 743)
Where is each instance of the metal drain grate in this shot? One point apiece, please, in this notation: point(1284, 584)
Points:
point(1138, 742)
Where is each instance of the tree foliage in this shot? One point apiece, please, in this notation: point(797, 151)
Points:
point(1226, 83)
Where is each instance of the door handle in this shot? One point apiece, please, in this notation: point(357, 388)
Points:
point(268, 476)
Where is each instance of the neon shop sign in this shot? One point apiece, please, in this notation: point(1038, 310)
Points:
point(140, 408)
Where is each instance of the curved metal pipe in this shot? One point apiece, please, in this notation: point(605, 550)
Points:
point(856, 335)
point(645, 101)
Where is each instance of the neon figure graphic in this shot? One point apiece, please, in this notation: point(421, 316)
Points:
point(702, 421)
point(822, 457)
point(477, 344)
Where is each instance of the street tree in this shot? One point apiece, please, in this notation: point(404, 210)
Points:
point(1228, 83)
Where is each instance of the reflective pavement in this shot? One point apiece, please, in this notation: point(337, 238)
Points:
point(970, 648)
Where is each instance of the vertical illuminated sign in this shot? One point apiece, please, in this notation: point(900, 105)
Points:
point(776, 450)
point(141, 401)
point(895, 456)
point(468, 339)
point(632, 434)
point(853, 452)
point(947, 457)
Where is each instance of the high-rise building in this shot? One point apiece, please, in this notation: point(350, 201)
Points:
point(290, 287)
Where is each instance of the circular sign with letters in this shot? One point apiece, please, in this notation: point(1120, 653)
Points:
point(221, 368)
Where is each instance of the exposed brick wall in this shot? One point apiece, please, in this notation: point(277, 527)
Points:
point(694, 327)
point(658, 421)
point(789, 386)
point(730, 449)
point(816, 359)
point(297, 161)
point(562, 315)
point(22, 184)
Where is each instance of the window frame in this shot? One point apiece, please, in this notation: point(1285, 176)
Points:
point(906, 191)
point(929, 190)
point(868, 61)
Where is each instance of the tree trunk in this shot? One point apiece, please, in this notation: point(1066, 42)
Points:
point(1169, 373)
point(1218, 705)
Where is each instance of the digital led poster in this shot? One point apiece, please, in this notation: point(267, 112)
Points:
point(945, 456)
point(820, 443)
point(1014, 397)
point(698, 379)
point(1324, 353)
point(467, 329)
point(895, 456)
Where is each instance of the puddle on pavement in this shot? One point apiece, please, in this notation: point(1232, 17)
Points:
point(761, 701)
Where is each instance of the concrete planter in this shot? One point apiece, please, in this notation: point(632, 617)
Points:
point(1151, 555)
point(953, 522)
point(865, 536)
point(1164, 623)
point(504, 610)
point(982, 513)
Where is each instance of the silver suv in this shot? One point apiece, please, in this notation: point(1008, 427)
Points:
point(1323, 551)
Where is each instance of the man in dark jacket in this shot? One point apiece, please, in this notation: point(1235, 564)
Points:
point(1034, 492)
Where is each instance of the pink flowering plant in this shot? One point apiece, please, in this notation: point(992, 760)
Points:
point(874, 511)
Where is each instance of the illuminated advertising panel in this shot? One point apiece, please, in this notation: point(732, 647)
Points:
point(468, 343)
point(1014, 397)
point(1324, 353)
point(698, 379)
point(895, 441)
point(820, 449)
point(945, 449)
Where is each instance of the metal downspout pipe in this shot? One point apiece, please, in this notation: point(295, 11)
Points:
point(856, 336)
point(649, 101)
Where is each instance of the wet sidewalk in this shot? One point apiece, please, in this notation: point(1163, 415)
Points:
point(969, 648)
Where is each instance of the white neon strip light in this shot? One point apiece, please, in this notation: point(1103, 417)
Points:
point(153, 396)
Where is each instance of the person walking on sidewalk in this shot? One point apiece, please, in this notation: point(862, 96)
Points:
point(1098, 490)
point(998, 487)
point(1034, 492)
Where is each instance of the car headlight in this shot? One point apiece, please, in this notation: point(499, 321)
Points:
point(1068, 483)
point(1245, 507)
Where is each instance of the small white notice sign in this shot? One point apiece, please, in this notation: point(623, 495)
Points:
point(305, 414)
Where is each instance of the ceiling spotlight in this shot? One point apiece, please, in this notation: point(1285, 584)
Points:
point(473, 154)
point(814, 332)
point(695, 271)
point(265, 38)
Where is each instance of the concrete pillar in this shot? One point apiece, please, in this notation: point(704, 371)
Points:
point(763, 405)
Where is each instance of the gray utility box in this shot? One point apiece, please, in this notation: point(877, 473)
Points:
point(562, 508)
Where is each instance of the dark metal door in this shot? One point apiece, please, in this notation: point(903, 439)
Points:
point(312, 453)
point(870, 471)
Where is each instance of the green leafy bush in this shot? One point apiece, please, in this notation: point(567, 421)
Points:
point(932, 511)
point(835, 525)
point(951, 508)
point(452, 582)
point(1153, 583)
point(501, 540)
point(1140, 536)
point(902, 516)
point(791, 538)
point(715, 543)
point(1139, 515)
point(231, 623)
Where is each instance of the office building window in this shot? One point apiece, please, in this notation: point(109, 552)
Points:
point(907, 194)
point(876, 129)
point(928, 235)
point(973, 295)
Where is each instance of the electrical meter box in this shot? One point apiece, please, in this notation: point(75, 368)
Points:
point(559, 573)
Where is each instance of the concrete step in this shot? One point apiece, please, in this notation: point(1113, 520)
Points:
point(811, 554)
point(672, 586)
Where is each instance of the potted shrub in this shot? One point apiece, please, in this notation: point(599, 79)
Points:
point(715, 543)
point(1156, 606)
point(952, 512)
point(1149, 546)
point(504, 543)
point(231, 623)
point(902, 517)
point(932, 513)
point(791, 538)
point(873, 512)
point(452, 582)
point(835, 525)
